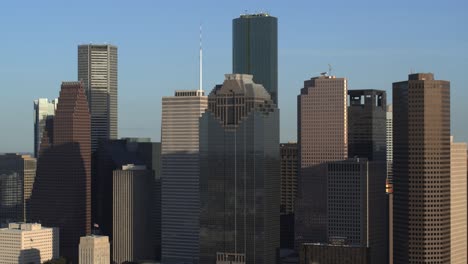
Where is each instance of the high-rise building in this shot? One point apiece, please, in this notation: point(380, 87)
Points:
point(390, 143)
point(323, 137)
point(421, 169)
point(43, 110)
point(97, 69)
point(22, 243)
point(255, 49)
point(94, 250)
point(289, 167)
point(180, 195)
point(357, 206)
point(17, 173)
point(132, 199)
point(112, 155)
point(61, 194)
point(239, 174)
point(458, 202)
point(313, 253)
point(367, 124)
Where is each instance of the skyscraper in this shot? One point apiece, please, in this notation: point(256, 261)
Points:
point(458, 202)
point(239, 174)
point(17, 173)
point(43, 110)
point(367, 124)
point(323, 137)
point(390, 143)
point(421, 169)
point(132, 196)
point(97, 69)
point(180, 195)
point(289, 168)
point(255, 49)
point(61, 195)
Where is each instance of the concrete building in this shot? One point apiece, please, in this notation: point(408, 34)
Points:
point(421, 169)
point(322, 137)
point(97, 69)
point(255, 49)
point(132, 199)
point(239, 174)
point(43, 110)
point(17, 174)
point(367, 124)
point(22, 243)
point(180, 195)
point(94, 250)
point(61, 194)
point(390, 143)
point(458, 202)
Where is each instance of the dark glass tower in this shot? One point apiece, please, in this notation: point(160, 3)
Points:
point(61, 195)
point(239, 174)
point(367, 124)
point(255, 50)
point(421, 169)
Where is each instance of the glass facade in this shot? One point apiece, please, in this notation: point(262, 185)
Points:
point(239, 173)
point(255, 50)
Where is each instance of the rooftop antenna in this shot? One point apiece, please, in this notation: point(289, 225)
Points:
point(200, 87)
point(329, 69)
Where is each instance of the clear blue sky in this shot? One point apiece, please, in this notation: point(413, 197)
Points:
point(372, 43)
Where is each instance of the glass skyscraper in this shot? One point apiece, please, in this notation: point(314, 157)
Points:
point(255, 50)
point(239, 174)
point(43, 110)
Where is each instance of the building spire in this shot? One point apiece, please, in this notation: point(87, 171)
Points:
point(200, 87)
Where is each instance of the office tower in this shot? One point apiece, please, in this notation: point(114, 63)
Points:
point(239, 174)
point(61, 195)
point(458, 202)
point(313, 253)
point(390, 143)
point(43, 110)
point(94, 250)
point(323, 137)
point(97, 69)
point(367, 124)
point(22, 243)
point(421, 169)
point(131, 214)
point(180, 202)
point(357, 206)
point(289, 167)
point(255, 50)
point(17, 173)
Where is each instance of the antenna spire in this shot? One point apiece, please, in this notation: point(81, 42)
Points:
point(200, 87)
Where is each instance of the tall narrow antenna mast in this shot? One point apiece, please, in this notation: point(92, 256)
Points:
point(200, 87)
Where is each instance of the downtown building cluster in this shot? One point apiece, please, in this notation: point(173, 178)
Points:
point(366, 182)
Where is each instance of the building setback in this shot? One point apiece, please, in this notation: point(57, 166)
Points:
point(22, 243)
point(132, 200)
point(17, 174)
point(43, 110)
point(367, 124)
point(61, 195)
point(255, 49)
point(322, 137)
point(180, 195)
point(97, 69)
point(421, 169)
point(94, 250)
point(239, 174)
point(458, 202)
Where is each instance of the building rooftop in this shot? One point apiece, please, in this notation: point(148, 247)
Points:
point(22, 227)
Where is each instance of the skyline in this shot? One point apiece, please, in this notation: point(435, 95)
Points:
point(156, 58)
